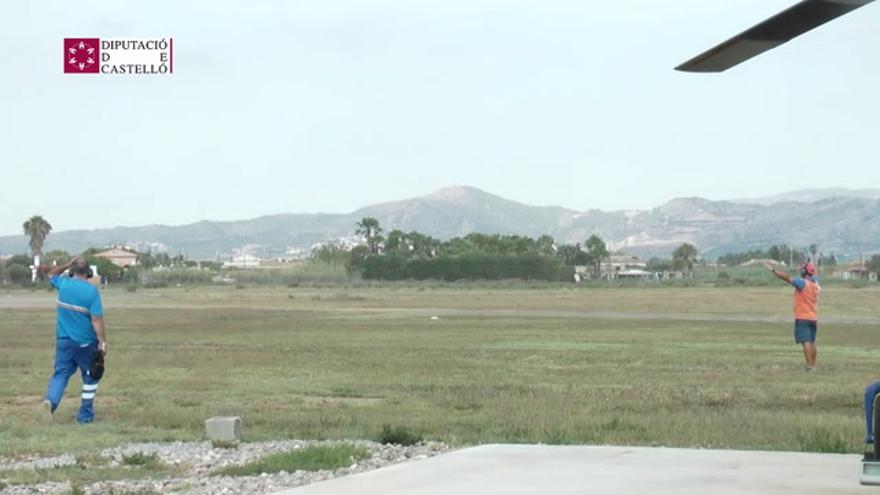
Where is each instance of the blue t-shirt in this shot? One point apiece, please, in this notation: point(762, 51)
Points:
point(799, 283)
point(78, 302)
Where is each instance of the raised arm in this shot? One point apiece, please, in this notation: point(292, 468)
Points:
point(780, 275)
point(58, 270)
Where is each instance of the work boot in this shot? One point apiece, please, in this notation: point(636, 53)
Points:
point(46, 412)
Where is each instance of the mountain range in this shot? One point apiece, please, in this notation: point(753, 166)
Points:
point(843, 222)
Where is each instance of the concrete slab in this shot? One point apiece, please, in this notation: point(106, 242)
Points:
point(550, 470)
point(223, 428)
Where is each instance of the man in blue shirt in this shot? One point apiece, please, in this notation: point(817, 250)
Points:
point(79, 333)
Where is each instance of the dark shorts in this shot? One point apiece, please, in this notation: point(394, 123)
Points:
point(805, 331)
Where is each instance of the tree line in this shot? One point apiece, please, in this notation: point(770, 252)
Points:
point(17, 268)
point(400, 255)
point(782, 253)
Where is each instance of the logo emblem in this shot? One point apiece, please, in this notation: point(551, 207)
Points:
point(82, 55)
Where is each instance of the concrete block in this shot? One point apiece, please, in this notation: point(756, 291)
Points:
point(224, 429)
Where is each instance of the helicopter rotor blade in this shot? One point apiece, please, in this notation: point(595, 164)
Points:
point(777, 30)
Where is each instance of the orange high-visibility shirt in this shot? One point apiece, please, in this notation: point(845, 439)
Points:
point(806, 300)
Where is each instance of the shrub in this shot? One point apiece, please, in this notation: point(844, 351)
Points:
point(106, 268)
point(20, 259)
point(18, 274)
point(131, 275)
point(399, 435)
point(140, 459)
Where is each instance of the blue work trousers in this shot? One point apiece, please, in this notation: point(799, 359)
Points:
point(70, 355)
point(870, 392)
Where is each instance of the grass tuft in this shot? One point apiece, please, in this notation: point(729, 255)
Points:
point(824, 441)
point(141, 460)
point(558, 436)
point(399, 435)
point(307, 459)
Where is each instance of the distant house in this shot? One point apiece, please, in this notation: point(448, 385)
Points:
point(628, 266)
point(242, 261)
point(4, 258)
point(279, 263)
point(856, 271)
point(620, 262)
point(120, 256)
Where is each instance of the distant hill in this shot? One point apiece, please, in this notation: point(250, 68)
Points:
point(841, 223)
point(813, 195)
point(844, 226)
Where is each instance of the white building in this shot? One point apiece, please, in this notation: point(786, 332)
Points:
point(242, 261)
point(617, 264)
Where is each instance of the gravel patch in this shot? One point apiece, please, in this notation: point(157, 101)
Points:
point(197, 460)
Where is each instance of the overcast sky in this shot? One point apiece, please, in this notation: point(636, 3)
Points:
point(303, 106)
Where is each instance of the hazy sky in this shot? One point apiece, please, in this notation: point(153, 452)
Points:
point(302, 106)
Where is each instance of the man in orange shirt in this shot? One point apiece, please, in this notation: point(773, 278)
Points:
point(806, 309)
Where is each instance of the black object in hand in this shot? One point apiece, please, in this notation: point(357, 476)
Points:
point(96, 369)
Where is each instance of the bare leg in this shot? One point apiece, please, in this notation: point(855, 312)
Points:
point(810, 352)
point(807, 353)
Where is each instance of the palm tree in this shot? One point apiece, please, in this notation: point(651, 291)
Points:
point(685, 256)
point(423, 245)
point(597, 251)
point(397, 243)
point(545, 246)
point(37, 228)
point(370, 229)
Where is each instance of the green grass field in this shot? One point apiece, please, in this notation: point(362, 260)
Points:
point(685, 367)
